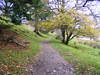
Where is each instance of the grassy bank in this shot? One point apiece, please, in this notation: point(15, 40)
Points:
point(85, 59)
point(92, 43)
point(14, 61)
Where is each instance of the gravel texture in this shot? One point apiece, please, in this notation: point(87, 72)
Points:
point(49, 62)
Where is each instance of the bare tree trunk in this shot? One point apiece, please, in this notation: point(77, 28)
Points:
point(0, 31)
point(37, 31)
point(36, 23)
point(68, 38)
point(67, 41)
point(63, 35)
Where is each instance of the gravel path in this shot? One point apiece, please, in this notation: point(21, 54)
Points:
point(49, 62)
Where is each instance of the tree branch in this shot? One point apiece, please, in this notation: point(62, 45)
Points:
point(73, 37)
point(85, 3)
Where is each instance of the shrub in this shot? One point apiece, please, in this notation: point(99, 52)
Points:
point(5, 21)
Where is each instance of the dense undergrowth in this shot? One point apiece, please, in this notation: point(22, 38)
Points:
point(13, 61)
point(85, 59)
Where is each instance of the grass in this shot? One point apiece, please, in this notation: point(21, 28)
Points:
point(14, 61)
point(92, 43)
point(85, 59)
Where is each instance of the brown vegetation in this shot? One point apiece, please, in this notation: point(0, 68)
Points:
point(10, 40)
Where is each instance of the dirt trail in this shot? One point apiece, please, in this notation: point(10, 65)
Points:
point(49, 62)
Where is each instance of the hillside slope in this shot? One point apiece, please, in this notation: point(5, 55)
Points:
point(85, 59)
point(17, 46)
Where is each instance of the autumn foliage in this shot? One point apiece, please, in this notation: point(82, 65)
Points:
point(72, 24)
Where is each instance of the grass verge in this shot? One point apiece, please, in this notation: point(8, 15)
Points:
point(85, 59)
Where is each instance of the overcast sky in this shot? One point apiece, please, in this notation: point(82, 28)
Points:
point(94, 5)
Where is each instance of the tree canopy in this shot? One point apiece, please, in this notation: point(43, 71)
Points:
point(74, 24)
point(17, 10)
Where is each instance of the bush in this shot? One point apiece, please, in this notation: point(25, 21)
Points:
point(5, 21)
point(4, 18)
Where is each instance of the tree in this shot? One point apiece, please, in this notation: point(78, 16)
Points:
point(60, 7)
point(82, 26)
point(15, 9)
point(5, 7)
point(40, 12)
point(88, 1)
point(74, 24)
